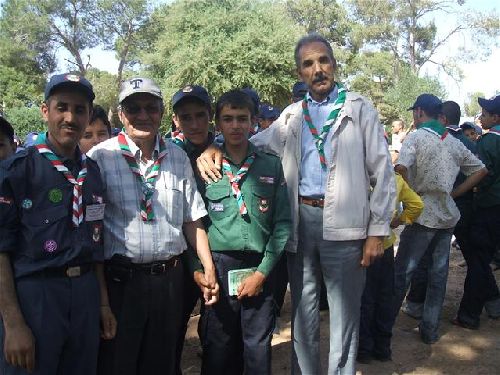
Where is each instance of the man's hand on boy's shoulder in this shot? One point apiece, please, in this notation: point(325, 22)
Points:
point(252, 285)
point(209, 164)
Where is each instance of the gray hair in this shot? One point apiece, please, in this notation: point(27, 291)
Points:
point(312, 38)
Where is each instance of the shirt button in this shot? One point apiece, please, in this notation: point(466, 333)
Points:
point(46, 221)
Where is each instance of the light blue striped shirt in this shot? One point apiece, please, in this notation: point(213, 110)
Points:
point(312, 176)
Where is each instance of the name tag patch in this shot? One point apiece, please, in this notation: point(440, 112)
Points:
point(267, 179)
point(217, 207)
point(94, 212)
point(5, 200)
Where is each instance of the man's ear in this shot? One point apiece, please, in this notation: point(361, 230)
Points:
point(44, 108)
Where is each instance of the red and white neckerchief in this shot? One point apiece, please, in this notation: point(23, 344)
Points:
point(44, 150)
point(147, 182)
point(236, 180)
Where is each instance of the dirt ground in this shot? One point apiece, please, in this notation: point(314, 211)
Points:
point(459, 351)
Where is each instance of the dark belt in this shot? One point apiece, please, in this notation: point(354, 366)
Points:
point(153, 268)
point(312, 202)
point(67, 271)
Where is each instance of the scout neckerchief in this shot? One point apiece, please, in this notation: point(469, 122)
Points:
point(178, 138)
point(147, 182)
point(495, 130)
point(435, 127)
point(320, 138)
point(43, 149)
point(235, 180)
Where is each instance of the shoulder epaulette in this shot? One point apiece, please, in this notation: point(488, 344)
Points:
point(8, 163)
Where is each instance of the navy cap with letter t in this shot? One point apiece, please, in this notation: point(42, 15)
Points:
point(492, 105)
point(191, 91)
point(427, 102)
point(138, 85)
point(69, 80)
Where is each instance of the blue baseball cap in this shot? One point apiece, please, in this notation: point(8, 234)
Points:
point(69, 80)
point(299, 90)
point(492, 105)
point(427, 102)
point(192, 91)
point(267, 111)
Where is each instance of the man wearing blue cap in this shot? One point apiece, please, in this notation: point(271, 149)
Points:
point(192, 114)
point(480, 288)
point(430, 161)
point(299, 90)
point(267, 115)
point(153, 207)
point(51, 212)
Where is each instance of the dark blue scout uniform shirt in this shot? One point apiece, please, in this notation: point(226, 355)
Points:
point(36, 226)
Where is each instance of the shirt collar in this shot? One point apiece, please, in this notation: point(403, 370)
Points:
point(454, 128)
point(251, 149)
point(332, 96)
point(136, 151)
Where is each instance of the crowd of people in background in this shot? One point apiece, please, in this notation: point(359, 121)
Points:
point(109, 238)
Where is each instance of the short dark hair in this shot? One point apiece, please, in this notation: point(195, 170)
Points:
point(234, 99)
point(312, 38)
point(98, 113)
point(451, 110)
point(6, 129)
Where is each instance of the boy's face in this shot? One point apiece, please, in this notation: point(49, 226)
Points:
point(488, 120)
point(7, 148)
point(235, 124)
point(471, 134)
point(95, 133)
point(193, 119)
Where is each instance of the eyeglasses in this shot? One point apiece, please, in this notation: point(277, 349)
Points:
point(134, 109)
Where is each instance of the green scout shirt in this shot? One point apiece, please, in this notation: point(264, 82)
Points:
point(488, 148)
point(266, 227)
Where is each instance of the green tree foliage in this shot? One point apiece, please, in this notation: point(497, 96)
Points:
point(25, 120)
point(223, 44)
point(402, 95)
point(472, 107)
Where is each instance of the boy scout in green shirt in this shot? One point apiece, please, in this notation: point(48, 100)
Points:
point(480, 288)
point(249, 225)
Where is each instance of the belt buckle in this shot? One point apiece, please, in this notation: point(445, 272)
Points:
point(73, 271)
point(315, 202)
point(157, 269)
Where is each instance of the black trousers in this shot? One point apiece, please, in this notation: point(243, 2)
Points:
point(63, 314)
point(480, 284)
point(148, 310)
point(375, 330)
point(280, 282)
point(236, 335)
point(191, 296)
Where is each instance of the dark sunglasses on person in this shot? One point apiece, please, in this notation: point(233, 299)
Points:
point(134, 109)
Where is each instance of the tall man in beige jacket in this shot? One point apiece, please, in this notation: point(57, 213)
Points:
point(341, 188)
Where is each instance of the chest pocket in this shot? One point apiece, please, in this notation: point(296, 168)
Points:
point(48, 232)
point(262, 201)
point(219, 201)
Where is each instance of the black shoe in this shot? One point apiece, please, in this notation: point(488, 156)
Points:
point(459, 323)
point(364, 358)
point(382, 357)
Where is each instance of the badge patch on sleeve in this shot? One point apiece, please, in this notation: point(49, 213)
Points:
point(5, 200)
point(217, 207)
point(267, 179)
point(263, 205)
